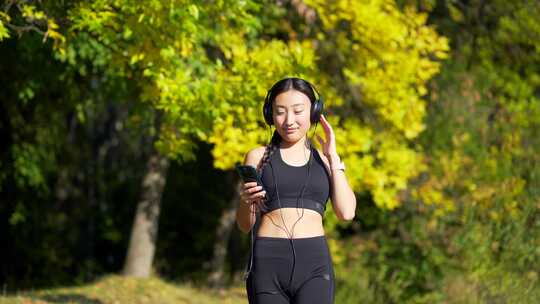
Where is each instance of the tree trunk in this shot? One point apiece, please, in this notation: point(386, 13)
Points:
point(223, 232)
point(142, 244)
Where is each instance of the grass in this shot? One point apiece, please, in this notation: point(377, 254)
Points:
point(117, 289)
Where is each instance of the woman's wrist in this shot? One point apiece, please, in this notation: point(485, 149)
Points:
point(334, 159)
point(336, 163)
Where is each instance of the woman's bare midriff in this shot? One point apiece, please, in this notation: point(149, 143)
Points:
point(309, 225)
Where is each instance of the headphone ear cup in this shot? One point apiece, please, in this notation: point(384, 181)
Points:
point(267, 113)
point(316, 110)
point(267, 109)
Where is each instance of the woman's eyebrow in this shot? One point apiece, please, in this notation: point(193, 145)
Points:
point(294, 105)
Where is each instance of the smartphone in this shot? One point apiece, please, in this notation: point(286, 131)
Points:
point(249, 174)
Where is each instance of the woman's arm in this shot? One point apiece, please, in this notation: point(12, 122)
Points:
point(246, 213)
point(343, 199)
point(245, 216)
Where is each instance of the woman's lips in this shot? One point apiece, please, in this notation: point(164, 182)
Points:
point(290, 131)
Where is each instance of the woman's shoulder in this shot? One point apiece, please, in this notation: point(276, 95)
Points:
point(254, 155)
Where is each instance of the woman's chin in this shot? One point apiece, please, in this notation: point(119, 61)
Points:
point(292, 137)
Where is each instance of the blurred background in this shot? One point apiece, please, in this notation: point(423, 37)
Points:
point(121, 122)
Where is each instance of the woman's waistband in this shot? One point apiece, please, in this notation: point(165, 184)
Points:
point(281, 239)
point(277, 247)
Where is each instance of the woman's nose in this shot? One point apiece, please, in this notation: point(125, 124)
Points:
point(290, 120)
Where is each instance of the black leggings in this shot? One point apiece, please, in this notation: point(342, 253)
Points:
point(273, 278)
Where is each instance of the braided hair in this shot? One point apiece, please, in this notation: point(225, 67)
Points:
point(272, 147)
point(269, 150)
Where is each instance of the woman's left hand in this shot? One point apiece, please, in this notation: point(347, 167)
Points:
point(328, 146)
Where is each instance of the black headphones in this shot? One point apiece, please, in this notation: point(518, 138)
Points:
point(316, 107)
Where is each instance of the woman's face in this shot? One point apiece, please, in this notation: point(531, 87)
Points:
point(291, 114)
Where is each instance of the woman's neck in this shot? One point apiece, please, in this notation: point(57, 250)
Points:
point(299, 146)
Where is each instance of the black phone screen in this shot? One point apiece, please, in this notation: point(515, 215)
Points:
point(248, 174)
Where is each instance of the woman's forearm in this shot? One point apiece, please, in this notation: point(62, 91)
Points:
point(245, 216)
point(342, 195)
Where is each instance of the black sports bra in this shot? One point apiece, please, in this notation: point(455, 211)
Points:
point(290, 181)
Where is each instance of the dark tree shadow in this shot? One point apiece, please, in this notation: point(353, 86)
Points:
point(69, 298)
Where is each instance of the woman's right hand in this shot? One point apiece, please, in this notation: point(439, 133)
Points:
point(252, 193)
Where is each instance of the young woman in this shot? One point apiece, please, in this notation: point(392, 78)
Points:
point(290, 260)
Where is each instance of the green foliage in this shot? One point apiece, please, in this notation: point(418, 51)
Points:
point(4, 33)
point(22, 16)
point(479, 193)
point(202, 72)
point(484, 138)
point(207, 68)
point(455, 158)
point(392, 257)
point(164, 47)
point(387, 63)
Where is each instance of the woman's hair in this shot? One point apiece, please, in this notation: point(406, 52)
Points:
point(284, 85)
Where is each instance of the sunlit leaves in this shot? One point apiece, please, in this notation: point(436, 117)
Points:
point(390, 55)
point(26, 17)
point(4, 33)
point(207, 71)
point(243, 88)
